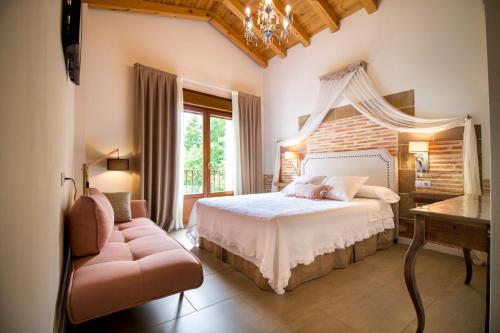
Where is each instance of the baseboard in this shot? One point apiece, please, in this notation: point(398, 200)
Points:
point(61, 322)
point(435, 247)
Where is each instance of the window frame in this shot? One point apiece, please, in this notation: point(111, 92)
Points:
point(206, 114)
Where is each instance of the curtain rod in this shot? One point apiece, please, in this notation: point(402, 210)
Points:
point(206, 85)
point(341, 72)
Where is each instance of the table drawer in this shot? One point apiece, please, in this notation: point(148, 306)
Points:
point(456, 234)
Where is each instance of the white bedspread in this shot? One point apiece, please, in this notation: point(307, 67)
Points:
point(277, 232)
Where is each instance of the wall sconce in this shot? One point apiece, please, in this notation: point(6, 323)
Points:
point(113, 164)
point(421, 151)
point(292, 159)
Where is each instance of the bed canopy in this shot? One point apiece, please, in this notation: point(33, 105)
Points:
point(354, 84)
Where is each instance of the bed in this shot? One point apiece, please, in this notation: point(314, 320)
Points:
point(281, 242)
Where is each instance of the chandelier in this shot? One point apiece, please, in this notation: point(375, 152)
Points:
point(268, 23)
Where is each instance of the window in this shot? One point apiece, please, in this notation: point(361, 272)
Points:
point(208, 152)
point(193, 152)
point(221, 165)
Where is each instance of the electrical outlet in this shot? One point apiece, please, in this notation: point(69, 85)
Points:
point(423, 183)
point(63, 178)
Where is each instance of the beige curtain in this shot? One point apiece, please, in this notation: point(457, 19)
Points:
point(155, 141)
point(250, 135)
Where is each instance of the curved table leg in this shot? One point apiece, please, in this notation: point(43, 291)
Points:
point(468, 266)
point(409, 269)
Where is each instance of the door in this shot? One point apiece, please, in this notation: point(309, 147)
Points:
point(208, 155)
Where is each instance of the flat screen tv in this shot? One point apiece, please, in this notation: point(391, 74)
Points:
point(70, 35)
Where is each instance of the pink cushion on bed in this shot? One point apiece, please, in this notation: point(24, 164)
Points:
point(311, 191)
point(289, 190)
point(91, 223)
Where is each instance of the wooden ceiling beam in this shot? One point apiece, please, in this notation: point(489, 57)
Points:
point(297, 29)
point(369, 5)
point(326, 13)
point(237, 39)
point(238, 9)
point(155, 8)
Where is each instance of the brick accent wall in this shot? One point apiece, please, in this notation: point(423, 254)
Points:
point(445, 161)
point(445, 167)
point(352, 133)
point(344, 129)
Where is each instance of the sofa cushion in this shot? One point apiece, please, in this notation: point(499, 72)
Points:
point(139, 263)
point(139, 208)
point(91, 223)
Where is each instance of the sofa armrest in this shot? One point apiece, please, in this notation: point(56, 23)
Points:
point(139, 208)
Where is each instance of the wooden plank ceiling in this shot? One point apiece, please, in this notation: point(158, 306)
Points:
point(310, 17)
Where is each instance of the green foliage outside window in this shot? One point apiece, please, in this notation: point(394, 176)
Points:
point(193, 158)
point(217, 142)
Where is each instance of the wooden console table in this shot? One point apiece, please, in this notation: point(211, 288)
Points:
point(459, 222)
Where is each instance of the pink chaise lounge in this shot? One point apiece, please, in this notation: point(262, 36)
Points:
point(118, 266)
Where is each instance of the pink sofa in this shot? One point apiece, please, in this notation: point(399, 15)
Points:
point(122, 265)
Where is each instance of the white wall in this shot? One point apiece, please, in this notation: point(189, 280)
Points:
point(113, 42)
point(36, 139)
point(437, 48)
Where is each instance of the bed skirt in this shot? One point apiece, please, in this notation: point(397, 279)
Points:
point(322, 264)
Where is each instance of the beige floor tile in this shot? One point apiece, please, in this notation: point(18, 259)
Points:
point(313, 321)
point(210, 263)
point(180, 236)
point(300, 300)
point(357, 275)
point(218, 287)
point(230, 316)
point(368, 296)
point(376, 308)
point(452, 313)
point(435, 273)
point(140, 317)
point(460, 309)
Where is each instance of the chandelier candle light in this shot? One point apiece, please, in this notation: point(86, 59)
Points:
point(268, 23)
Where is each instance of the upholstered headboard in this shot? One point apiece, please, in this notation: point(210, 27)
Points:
point(377, 164)
point(380, 166)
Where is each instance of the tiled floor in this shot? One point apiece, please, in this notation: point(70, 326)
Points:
point(368, 296)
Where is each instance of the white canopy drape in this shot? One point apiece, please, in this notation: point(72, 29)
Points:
point(356, 86)
point(179, 161)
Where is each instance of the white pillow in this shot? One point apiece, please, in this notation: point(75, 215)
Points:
point(377, 192)
point(344, 188)
point(289, 190)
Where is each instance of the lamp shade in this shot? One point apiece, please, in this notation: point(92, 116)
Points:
point(117, 164)
point(418, 147)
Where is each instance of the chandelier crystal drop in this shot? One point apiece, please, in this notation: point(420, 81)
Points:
point(268, 22)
